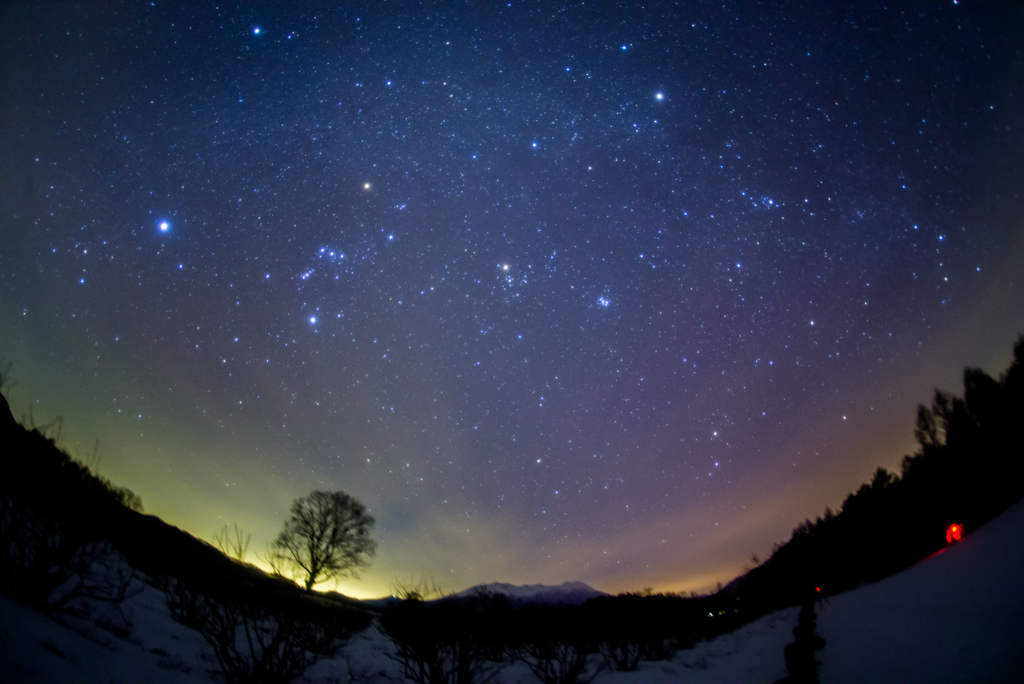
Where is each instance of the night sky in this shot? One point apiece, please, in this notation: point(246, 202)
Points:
point(559, 292)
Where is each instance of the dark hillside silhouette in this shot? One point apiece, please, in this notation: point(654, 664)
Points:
point(64, 531)
point(53, 511)
point(42, 481)
point(465, 639)
point(968, 468)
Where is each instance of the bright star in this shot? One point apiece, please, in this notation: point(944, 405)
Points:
point(256, 30)
point(366, 186)
point(659, 96)
point(312, 319)
point(164, 226)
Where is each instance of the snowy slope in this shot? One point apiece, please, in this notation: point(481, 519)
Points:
point(135, 642)
point(955, 617)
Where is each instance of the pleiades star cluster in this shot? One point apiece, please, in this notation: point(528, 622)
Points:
point(584, 291)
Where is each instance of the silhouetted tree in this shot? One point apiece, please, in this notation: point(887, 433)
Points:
point(5, 379)
point(968, 468)
point(449, 641)
point(326, 537)
point(259, 635)
point(234, 545)
point(557, 643)
point(52, 513)
point(422, 589)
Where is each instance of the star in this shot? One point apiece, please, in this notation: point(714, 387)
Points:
point(726, 228)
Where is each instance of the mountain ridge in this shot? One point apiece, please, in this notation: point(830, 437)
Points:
point(567, 593)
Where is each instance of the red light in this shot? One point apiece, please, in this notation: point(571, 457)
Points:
point(954, 533)
point(817, 589)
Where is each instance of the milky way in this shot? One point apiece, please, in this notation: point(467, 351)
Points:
point(560, 292)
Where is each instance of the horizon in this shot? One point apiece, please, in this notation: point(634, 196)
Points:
point(616, 296)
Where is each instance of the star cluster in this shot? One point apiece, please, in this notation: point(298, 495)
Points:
point(561, 292)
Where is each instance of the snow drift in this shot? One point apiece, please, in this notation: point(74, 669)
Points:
point(955, 617)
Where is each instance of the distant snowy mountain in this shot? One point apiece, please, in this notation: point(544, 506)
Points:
point(570, 593)
point(955, 617)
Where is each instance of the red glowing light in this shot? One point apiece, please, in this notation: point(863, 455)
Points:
point(954, 533)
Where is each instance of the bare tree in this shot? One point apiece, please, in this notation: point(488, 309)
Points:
point(422, 589)
point(5, 375)
point(233, 545)
point(258, 636)
point(326, 537)
point(450, 641)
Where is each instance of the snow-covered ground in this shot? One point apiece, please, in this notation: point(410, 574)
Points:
point(955, 617)
point(137, 641)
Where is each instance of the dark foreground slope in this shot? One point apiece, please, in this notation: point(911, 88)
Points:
point(955, 617)
point(58, 523)
point(71, 541)
point(969, 467)
point(46, 492)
